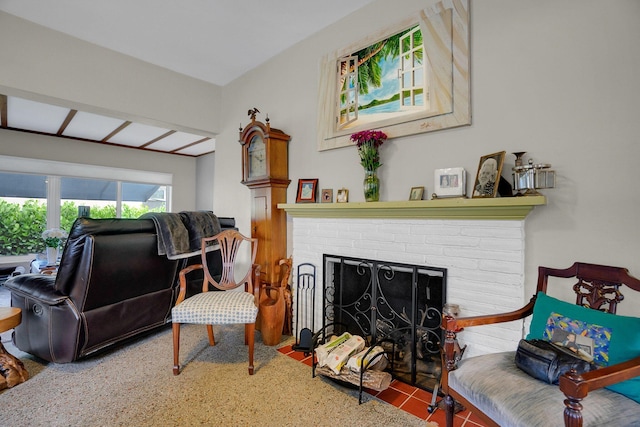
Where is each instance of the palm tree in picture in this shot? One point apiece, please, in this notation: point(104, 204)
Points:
point(407, 43)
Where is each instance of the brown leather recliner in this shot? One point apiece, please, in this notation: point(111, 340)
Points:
point(111, 285)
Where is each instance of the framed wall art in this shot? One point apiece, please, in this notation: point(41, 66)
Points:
point(327, 195)
point(488, 176)
point(450, 182)
point(307, 189)
point(416, 193)
point(410, 77)
point(343, 195)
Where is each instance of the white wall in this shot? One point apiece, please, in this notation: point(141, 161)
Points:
point(555, 78)
point(205, 169)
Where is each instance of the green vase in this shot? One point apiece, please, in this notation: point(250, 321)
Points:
point(371, 185)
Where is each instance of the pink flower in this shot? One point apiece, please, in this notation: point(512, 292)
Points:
point(368, 142)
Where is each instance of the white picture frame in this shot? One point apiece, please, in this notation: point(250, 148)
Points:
point(450, 182)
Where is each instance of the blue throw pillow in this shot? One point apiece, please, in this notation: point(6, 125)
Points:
point(625, 334)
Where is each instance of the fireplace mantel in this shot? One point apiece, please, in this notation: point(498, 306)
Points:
point(509, 208)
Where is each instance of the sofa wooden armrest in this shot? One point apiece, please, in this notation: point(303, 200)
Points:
point(457, 324)
point(452, 352)
point(472, 381)
point(576, 387)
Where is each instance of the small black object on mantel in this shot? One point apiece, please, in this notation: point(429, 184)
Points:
point(505, 189)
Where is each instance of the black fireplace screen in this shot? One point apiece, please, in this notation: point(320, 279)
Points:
point(376, 299)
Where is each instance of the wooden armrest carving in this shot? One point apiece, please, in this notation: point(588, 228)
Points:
point(458, 324)
point(452, 352)
point(183, 281)
point(255, 284)
point(578, 386)
point(189, 269)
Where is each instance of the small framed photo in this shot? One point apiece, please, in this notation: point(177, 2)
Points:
point(416, 193)
point(450, 182)
point(343, 195)
point(307, 189)
point(488, 177)
point(327, 195)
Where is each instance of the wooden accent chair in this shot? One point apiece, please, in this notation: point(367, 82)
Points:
point(493, 388)
point(223, 307)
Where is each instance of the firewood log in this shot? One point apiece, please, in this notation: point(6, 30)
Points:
point(375, 380)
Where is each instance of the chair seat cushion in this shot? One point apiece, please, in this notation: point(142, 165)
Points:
point(494, 384)
point(216, 308)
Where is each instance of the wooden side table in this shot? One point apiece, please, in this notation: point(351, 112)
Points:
point(10, 317)
point(13, 371)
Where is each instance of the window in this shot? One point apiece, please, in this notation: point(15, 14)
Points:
point(23, 213)
point(348, 92)
point(33, 202)
point(412, 81)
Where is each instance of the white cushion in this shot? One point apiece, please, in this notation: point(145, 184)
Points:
point(216, 308)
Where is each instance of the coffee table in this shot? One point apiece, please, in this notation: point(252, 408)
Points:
point(14, 371)
point(10, 317)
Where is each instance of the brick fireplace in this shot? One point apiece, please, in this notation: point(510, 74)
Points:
point(481, 243)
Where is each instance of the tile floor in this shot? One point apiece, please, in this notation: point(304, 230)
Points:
point(404, 396)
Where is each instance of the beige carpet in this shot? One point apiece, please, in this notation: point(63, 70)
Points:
point(134, 386)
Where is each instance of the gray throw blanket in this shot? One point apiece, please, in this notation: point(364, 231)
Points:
point(180, 234)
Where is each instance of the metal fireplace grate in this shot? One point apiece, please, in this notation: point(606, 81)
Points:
point(402, 302)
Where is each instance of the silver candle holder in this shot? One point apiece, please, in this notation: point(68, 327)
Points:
point(528, 178)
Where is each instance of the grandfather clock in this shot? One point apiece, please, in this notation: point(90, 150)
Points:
point(265, 170)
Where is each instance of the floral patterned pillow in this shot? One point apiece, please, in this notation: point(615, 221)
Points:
point(588, 341)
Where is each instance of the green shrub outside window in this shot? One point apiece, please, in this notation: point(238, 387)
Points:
point(21, 226)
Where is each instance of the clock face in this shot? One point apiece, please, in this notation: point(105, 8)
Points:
point(257, 157)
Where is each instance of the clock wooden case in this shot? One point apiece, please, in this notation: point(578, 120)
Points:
point(265, 170)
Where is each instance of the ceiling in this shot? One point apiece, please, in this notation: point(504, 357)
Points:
point(22, 114)
point(204, 39)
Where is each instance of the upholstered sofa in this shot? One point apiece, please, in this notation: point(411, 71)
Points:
point(501, 394)
point(111, 285)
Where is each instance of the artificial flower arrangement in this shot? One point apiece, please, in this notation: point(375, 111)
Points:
point(53, 237)
point(368, 142)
